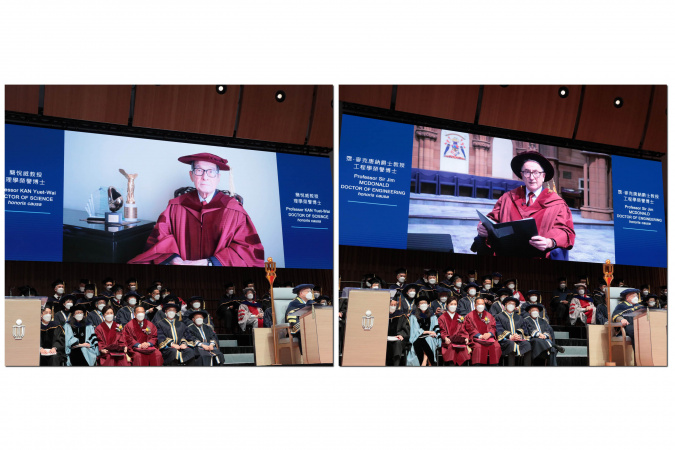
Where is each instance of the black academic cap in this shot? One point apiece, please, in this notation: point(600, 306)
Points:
point(90, 287)
point(505, 291)
point(57, 282)
point(151, 288)
point(562, 279)
point(132, 280)
point(300, 287)
point(79, 306)
point(472, 284)
point(533, 292)
point(529, 306)
point(131, 294)
point(409, 286)
point(175, 303)
point(108, 280)
point(648, 296)
point(197, 311)
point(117, 287)
point(431, 272)
point(197, 298)
point(644, 286)
point(472, 272)
point(602, 282)
point(486, 277)
point(424, 295)
point(625, 292)
point(511, 299)
point(317, 287)
point(84, 281)
point(449, 269)
point(510, 280)
point(518, 161)
point(401, 270)
point(63, 299)
point(229, 284)
point(496, 274)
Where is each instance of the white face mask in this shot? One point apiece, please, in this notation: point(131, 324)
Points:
point(249, 296)
point(196, 305)
point(452, 308)
point(424, 307)
point(471, 279)
point(140, 317)
point(645, 292)
point(155, 297)
point(132, 288)
point(401, 279)
point(495, 281)
point(375, 286)
point(449, 277)
point(309, 296)
point(533, 298)
point(230, 292)
point(109, 317)
point(68, 305)
point(534, 314)
point(79, 317)
point(480, 308)
point(101, 306)
point(488, 287)
point(634, 299)
point(411, 294)
point(563, 285)
point(132, 301)
point(171, 314)
point(392, 309)
point(118, 296)
point(60, 291)
point(582, 291)
point(604, 289)
point(199, 321)
point(652, 303)
point(47, 318)
point(510, 307)
point(432, 280)
point(472, 292)
point(164, 295)
point(159, 287)
point(107, 288)
point(81, 288)
point(316, 295)
point(89, 295)
point(458, 284)
point(511, 286)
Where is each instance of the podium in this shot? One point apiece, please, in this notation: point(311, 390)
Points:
point(651, 340)
point(366, 328)
point(316, 334)
point(22, 332)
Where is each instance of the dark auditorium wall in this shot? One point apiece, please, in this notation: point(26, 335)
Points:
point(184, 281)
point(531, 274)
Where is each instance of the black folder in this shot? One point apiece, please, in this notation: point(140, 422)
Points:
point(512, 238)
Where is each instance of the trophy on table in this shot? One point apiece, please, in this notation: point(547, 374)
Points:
point(130, 211)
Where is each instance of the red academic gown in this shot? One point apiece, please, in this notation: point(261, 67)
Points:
point(109, 338)
point(134, 334)
point(220, 230)
point(452, 328)
point(549, 211)
point(475, 324)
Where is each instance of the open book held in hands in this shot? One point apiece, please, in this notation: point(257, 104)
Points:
point(512, 238)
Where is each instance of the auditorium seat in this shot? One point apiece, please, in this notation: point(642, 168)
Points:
point(449, 181)
point(427, 182)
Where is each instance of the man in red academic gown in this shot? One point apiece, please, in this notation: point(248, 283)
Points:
point(140, 337)
point(204, 227)
point(481, 327)
point(550, 212)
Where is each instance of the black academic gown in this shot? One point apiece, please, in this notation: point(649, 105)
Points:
point(62, 317)
point(94, 318)
point(466, 305)
point(507, 325)
point(52, 335)
point(496, 308)
point(227, 310)
point(124, 315)
point(150, 306)
point(620, 312)
point(540, 347)
point(205, 335)
point(174, 332)
point(397, 350)
point(559, 310)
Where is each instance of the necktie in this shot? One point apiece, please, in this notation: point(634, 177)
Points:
point(530, 196)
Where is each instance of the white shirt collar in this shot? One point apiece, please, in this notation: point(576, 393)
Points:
point(536, 193)
point(207, 199)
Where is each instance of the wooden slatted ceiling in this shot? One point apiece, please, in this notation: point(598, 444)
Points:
point(656, 138)
point(601, 122)
point(23, 99)
point(446, 102)
point(322, 125)
point(263, 118)
point(534, 109)
point(377, 95)
point(194, 109)
point(108, 104)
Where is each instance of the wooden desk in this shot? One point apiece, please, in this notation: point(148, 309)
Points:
point(94, 242)
point(366, 340)
point(651, 339)
point(316, 332)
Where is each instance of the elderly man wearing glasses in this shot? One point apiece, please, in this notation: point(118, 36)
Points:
point(204, 227)
point(550, 212)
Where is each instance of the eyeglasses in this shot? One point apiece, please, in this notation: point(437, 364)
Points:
point(210, 172)
point(534, 173)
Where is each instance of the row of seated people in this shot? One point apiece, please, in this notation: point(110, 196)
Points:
point(88, 314)
point(237, 313)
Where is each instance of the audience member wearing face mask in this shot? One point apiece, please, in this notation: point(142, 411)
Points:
point(454, 338)
point(424, 333)
point(111, 340)
point(481, 329)
point(204, 339)
point(511, 334)
point(397, 335)
point(81, 343)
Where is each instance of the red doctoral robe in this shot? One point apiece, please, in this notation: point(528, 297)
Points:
point(112, 340)
point(452, 328)
point(549, 211)
point(134, 334)
point(220, 231)
point(474, 323)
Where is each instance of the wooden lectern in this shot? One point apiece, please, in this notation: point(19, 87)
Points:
point(366, 328)
point(651, 340)
point(22, 332)
point(316, 334)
